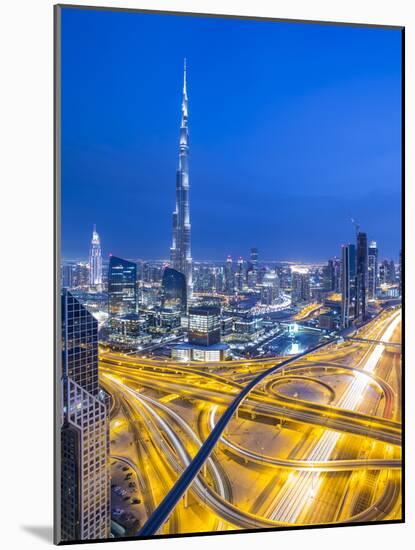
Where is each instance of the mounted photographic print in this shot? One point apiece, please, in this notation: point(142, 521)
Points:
point(229, 274)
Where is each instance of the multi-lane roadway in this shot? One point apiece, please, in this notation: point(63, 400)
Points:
point(276, 442)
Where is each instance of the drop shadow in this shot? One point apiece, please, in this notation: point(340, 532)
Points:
point(42, 532)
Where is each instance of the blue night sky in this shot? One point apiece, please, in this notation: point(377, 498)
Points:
point(294, 129)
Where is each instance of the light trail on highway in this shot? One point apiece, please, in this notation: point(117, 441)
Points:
point(301, 489)
point(166, 398)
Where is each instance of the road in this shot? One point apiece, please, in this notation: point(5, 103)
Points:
point(260, 443)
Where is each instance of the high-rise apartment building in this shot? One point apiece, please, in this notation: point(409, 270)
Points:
point(300, 286)
point(270, 288)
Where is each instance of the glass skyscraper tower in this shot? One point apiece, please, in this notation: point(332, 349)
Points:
point(122, 287)
point(174, 289)
point(85, 441)
point(180, 252)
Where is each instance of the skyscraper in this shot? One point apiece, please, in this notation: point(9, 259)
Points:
point(174, 289)
point(67, 276)
point(85, 442)
point(391, 273)
point(180, 252)
point(372, 257)
point(254, 258)
point(239, 275)
point(300, 285)
point(252, 272)
point(270, 289)
point(122, 286)
point(229, 276)
point(329, 277)
point(95, 260)
point(361, 276)
point(348, 286)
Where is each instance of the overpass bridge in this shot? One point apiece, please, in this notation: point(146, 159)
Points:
point(370, 341)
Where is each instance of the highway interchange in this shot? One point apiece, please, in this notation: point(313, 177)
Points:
point(274, 442)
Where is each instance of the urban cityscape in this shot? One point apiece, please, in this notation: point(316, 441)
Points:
point(238, 393)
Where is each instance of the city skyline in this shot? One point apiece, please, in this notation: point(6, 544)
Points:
point(310, 225)
point(241, 392)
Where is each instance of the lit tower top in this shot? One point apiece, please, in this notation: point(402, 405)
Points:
point(180, 252)
point(95, 259)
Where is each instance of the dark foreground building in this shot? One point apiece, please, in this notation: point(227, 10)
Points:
point(174, 290)
point(85, 442)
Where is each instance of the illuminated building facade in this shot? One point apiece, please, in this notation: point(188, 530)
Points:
point(122, 287)
point(204, 332)
point(239, 276)
point(85, 442)
point(204, 325)
point(95, 261)
point(372, 270)
point(348, 286)
point(270, 289)
point(229, 276)
point(300, 286)
point(361, 276)
point(180, 252)
point(329, 277)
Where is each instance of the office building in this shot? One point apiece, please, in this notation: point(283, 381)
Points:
point(372, 262)
point(348, 288)
point(329, 277)
point(240, 275)
point(122, 287)
point(204, 325)
point(85, 442)
point(204, 335)
point(229, 276)
point(361, 276)
point(174, 290)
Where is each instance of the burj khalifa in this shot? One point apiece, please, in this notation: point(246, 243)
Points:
point(180, 253)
